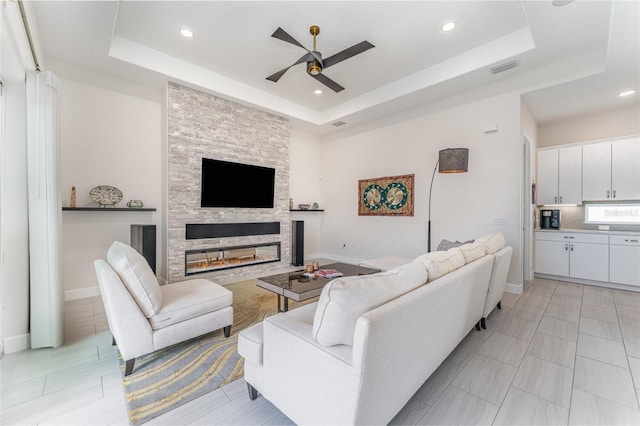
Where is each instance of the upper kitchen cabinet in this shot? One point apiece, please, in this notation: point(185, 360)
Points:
point(560, 175)
point(625, 169)
point(611, 170)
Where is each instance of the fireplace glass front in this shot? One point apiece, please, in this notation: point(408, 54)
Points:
point(214, 259)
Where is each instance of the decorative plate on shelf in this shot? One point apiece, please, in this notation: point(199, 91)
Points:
point(106, 195)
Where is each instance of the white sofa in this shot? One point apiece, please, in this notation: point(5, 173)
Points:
point(498, 282)
point(339, 361)
point(144, 316)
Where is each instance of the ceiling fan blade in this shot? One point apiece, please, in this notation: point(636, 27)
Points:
point(328, 82)
point(276, 76)
point(281, 34)
point(347, 53)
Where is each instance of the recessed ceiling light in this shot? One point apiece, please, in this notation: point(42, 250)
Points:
point(448, 26)
point(627, 93)
point(318, 92)
point(186, 32)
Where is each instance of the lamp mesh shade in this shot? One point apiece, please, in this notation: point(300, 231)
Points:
point(453, 160)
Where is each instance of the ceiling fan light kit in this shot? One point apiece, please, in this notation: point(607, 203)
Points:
point(315, 63)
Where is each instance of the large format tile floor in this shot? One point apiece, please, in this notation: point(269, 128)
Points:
point(560, 354)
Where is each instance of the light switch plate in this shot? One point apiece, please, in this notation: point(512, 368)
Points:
point(500, 221)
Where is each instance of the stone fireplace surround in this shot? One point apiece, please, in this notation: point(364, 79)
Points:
point(203, 125)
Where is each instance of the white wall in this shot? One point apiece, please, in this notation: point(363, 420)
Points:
point(14, 232)
point(465, 205)
point(111, 134)
point(623, 122)
point(305, 187)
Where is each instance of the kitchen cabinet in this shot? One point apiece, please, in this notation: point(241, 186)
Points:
point(611, 170)
point(624, 259)
point(559, 175)
point(625, 169)
point(552, 257)
point(576, 255)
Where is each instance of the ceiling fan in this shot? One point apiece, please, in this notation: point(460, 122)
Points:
point(313, 58)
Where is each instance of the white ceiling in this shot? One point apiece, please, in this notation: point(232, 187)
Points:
point(573, 60)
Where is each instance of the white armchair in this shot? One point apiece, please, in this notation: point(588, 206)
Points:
point(144, 316)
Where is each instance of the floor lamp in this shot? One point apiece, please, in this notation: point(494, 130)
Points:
point(450, 160)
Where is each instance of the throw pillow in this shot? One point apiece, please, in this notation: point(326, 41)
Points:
point(345, 299)
point(137, 276)
point(447, 245)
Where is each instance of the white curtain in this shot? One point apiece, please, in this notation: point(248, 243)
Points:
point(45, 211)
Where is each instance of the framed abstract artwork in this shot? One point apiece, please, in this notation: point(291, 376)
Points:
point(386, 196)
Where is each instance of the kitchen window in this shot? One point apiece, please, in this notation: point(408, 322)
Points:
point(613, 213)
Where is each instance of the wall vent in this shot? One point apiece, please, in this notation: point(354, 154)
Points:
point(504, 67)
point(339, 123)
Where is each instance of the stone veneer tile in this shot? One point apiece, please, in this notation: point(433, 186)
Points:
point(203, 125)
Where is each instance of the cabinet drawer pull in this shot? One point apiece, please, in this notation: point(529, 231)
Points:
point(566, 247)
point(561, 198)
point(607, 193)
point(631, 241)
point(555, 199)
point(571, 247)
point(614, 193)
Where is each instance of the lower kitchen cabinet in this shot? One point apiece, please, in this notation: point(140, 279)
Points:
point(624, 259)
point(552, 257)
point(589, 261)
point(574, 255)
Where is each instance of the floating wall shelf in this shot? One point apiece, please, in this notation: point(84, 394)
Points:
point(108, 209)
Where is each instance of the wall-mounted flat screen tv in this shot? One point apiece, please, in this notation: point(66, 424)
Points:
point(227, 184)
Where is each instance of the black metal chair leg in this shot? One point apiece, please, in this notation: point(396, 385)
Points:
point(253, 392)
point(128, 366)
point(499, 306)
point(227, 331)
point(483, 323)
point(478, 326)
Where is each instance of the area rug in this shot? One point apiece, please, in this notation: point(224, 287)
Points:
point(173, 376)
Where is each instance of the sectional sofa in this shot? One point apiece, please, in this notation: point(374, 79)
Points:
point(360, 353)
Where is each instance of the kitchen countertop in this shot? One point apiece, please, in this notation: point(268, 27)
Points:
point(589, 231)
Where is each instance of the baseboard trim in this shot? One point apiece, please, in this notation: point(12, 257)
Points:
point(588, 282)
point(16, 343)
point(513, 288)
point(81, 293)
point(336, 258)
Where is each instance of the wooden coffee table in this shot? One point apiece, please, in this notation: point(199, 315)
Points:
point(295, 286)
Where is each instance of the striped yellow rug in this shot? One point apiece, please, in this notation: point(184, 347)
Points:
point(170, 377)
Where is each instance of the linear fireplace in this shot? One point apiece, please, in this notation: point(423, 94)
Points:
point(214, 259)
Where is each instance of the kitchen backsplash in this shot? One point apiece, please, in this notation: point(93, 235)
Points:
point(572, 217)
